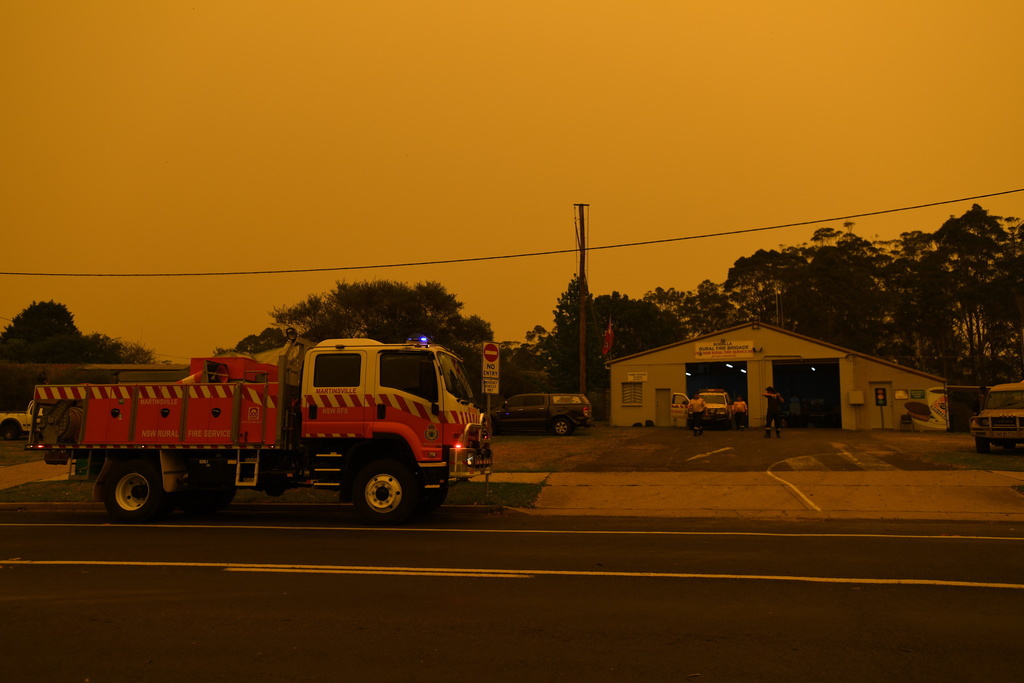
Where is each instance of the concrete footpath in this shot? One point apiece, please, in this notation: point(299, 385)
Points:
point(891, 494)
point(900, 494)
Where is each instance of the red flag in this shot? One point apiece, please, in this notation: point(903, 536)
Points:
point(609, 337)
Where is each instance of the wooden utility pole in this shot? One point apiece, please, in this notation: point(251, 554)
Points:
point(581, 239)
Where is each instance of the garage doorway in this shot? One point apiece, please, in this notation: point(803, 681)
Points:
point(811, 392)
point(730, 376)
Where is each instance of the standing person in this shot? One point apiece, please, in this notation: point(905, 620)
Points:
point(774, 413)
point(739, 411)
point(697, 408)
point(979, 401)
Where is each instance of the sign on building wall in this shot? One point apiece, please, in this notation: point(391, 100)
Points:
point(636, 376)
point(725, 349)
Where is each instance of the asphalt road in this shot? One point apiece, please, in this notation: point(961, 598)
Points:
point(247, 596)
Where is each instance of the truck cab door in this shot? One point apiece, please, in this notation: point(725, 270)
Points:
point(337, 401)
point(407, 389)
point(680, 406)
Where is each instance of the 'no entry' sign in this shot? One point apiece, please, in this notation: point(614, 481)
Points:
point(490, 369)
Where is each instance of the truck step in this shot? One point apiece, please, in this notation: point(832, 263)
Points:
point(326, 469)
point(247, 469)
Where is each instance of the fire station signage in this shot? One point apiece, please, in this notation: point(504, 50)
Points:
point(725, 349)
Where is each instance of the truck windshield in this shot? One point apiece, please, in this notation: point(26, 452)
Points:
point(455, 379)
point(1005, 399)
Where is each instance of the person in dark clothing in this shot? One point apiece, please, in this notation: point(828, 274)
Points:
point(774, 413)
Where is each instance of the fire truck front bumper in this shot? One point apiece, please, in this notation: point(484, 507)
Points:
point(469, 462)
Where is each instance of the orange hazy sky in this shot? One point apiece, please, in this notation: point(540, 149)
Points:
point(179, 137)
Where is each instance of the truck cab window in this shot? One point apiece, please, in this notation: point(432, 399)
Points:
point(455, 378)
point(337, 370)
point(412, 373)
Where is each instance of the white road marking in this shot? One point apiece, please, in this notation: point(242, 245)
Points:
point(805, 463)
point(509, 573)
point(808, 503)
point(874, 463)
point(704, 455)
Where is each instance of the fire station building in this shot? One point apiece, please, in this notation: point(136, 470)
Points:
point(823, 385)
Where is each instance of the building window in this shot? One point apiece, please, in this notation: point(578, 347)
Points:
point(633, 393)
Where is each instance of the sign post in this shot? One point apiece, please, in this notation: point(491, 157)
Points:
point(490, 375)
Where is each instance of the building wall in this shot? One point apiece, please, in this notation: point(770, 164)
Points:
point(665, 369)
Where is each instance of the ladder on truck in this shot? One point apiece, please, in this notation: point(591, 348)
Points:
point(247, 468)
point(327, 469)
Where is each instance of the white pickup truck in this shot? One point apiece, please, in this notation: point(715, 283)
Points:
point(1001, 420)
point(15, 425)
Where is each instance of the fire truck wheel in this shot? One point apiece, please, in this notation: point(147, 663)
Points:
point(134, 492)
point(562, 426)
point(385, 492)
point(198, 503)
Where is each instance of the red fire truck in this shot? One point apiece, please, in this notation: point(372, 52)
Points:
point(389, 426)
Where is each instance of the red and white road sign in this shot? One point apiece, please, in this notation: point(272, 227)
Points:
point(490, 369)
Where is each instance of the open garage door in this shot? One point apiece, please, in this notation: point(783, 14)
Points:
point(730, 376)
point(811, 390)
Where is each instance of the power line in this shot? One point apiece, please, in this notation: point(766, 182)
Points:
point(523, 255)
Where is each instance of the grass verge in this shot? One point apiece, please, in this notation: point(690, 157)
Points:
point(49, 492)
point(14, 453)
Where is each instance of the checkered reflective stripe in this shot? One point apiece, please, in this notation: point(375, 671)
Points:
point(166, 391)
point(340, 400)
point(462, 417)
point(55, 393)
point(412, 407)
point(151, 448)
point(210, 391)
point(111, 392)
point(416, 408)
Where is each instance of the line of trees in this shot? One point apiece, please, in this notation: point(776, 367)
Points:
point(43, 344)
point(950, 303)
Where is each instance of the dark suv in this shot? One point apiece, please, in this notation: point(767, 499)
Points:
point(559, 413)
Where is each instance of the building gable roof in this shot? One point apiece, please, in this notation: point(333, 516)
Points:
point(779, 330)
